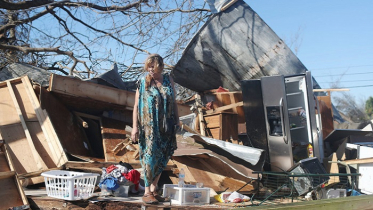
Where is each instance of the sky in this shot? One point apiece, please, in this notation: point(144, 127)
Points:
point(335, 39)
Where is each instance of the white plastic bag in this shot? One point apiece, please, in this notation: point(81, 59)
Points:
point(236, 197)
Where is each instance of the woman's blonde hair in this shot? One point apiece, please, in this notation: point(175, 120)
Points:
point(157, 60)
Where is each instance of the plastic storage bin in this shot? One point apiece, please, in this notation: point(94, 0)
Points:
point(122, 191)
point(189, 194)
point(69, 185)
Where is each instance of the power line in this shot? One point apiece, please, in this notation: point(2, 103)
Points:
point(357, 86)
point(369, 80)
point(343, 74)
point(341, 67)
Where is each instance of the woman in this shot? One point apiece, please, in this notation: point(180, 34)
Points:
point(155, 118)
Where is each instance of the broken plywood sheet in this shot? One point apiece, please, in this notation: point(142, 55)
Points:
point(29, 148)
point(11, 193)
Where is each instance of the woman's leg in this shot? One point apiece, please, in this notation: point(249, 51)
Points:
point(154, 185)
point(147, 190)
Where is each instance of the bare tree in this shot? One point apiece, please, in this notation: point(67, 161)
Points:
point(348, 106)
point(87, 37)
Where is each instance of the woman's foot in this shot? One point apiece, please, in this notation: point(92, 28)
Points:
point(160, 198)
point(149, 198)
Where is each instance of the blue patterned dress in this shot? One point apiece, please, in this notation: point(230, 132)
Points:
point(156, 116)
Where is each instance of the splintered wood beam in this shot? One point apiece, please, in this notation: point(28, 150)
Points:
point(223, 108)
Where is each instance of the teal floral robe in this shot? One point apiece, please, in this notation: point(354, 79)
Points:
point(157, 137)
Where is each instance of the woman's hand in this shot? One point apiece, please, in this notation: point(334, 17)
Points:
point(134, 134)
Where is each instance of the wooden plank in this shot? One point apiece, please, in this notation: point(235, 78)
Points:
point(38, 173)
point(200, 115)
point(34, 153)
point(224, 108)
point(12, 131)
point(189, 177)
point(233, 101)
point(56, 150)
point(4, 166)
point(9, 195)
point(328, 90)
point(358, 161)
point(78, 88)
point(227, 5)
point(80, 164)
point(213, 121)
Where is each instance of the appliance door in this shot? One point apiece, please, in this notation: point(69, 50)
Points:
point(277, 121)
point(318, 146)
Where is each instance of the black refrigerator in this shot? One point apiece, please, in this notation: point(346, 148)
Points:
point(281, 119)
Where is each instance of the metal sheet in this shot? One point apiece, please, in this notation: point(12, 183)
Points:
point(234, 45)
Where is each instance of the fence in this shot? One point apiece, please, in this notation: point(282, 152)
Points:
point(282, 187)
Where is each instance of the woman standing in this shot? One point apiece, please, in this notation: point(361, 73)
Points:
point(155, 118)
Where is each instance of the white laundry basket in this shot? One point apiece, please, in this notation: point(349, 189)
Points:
point(69, 185)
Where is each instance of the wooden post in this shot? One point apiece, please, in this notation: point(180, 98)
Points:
point(200, 114)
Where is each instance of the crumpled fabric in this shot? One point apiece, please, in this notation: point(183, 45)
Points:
point(110, 182)
point(116, 173)
point(127, 165)
point(122, 169)
point(110, 168)
point(134, 177)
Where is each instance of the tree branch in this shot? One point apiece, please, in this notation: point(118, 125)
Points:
point(44, 49)
point(100, 8)
point(64, 25)
point(6, 27)
point(103, 32)
point(23, 5)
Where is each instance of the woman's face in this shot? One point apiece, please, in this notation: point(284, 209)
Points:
point(153, 71)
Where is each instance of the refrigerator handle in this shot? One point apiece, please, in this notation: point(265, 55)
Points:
point(282, 122)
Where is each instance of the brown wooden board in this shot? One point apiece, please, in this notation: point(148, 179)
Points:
point(227, 98)
point(326, 112)
point(15, 115)
point(223, 126)
point(113, 133)
point(11, 193)
point(51, 139)
point(70, 134)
